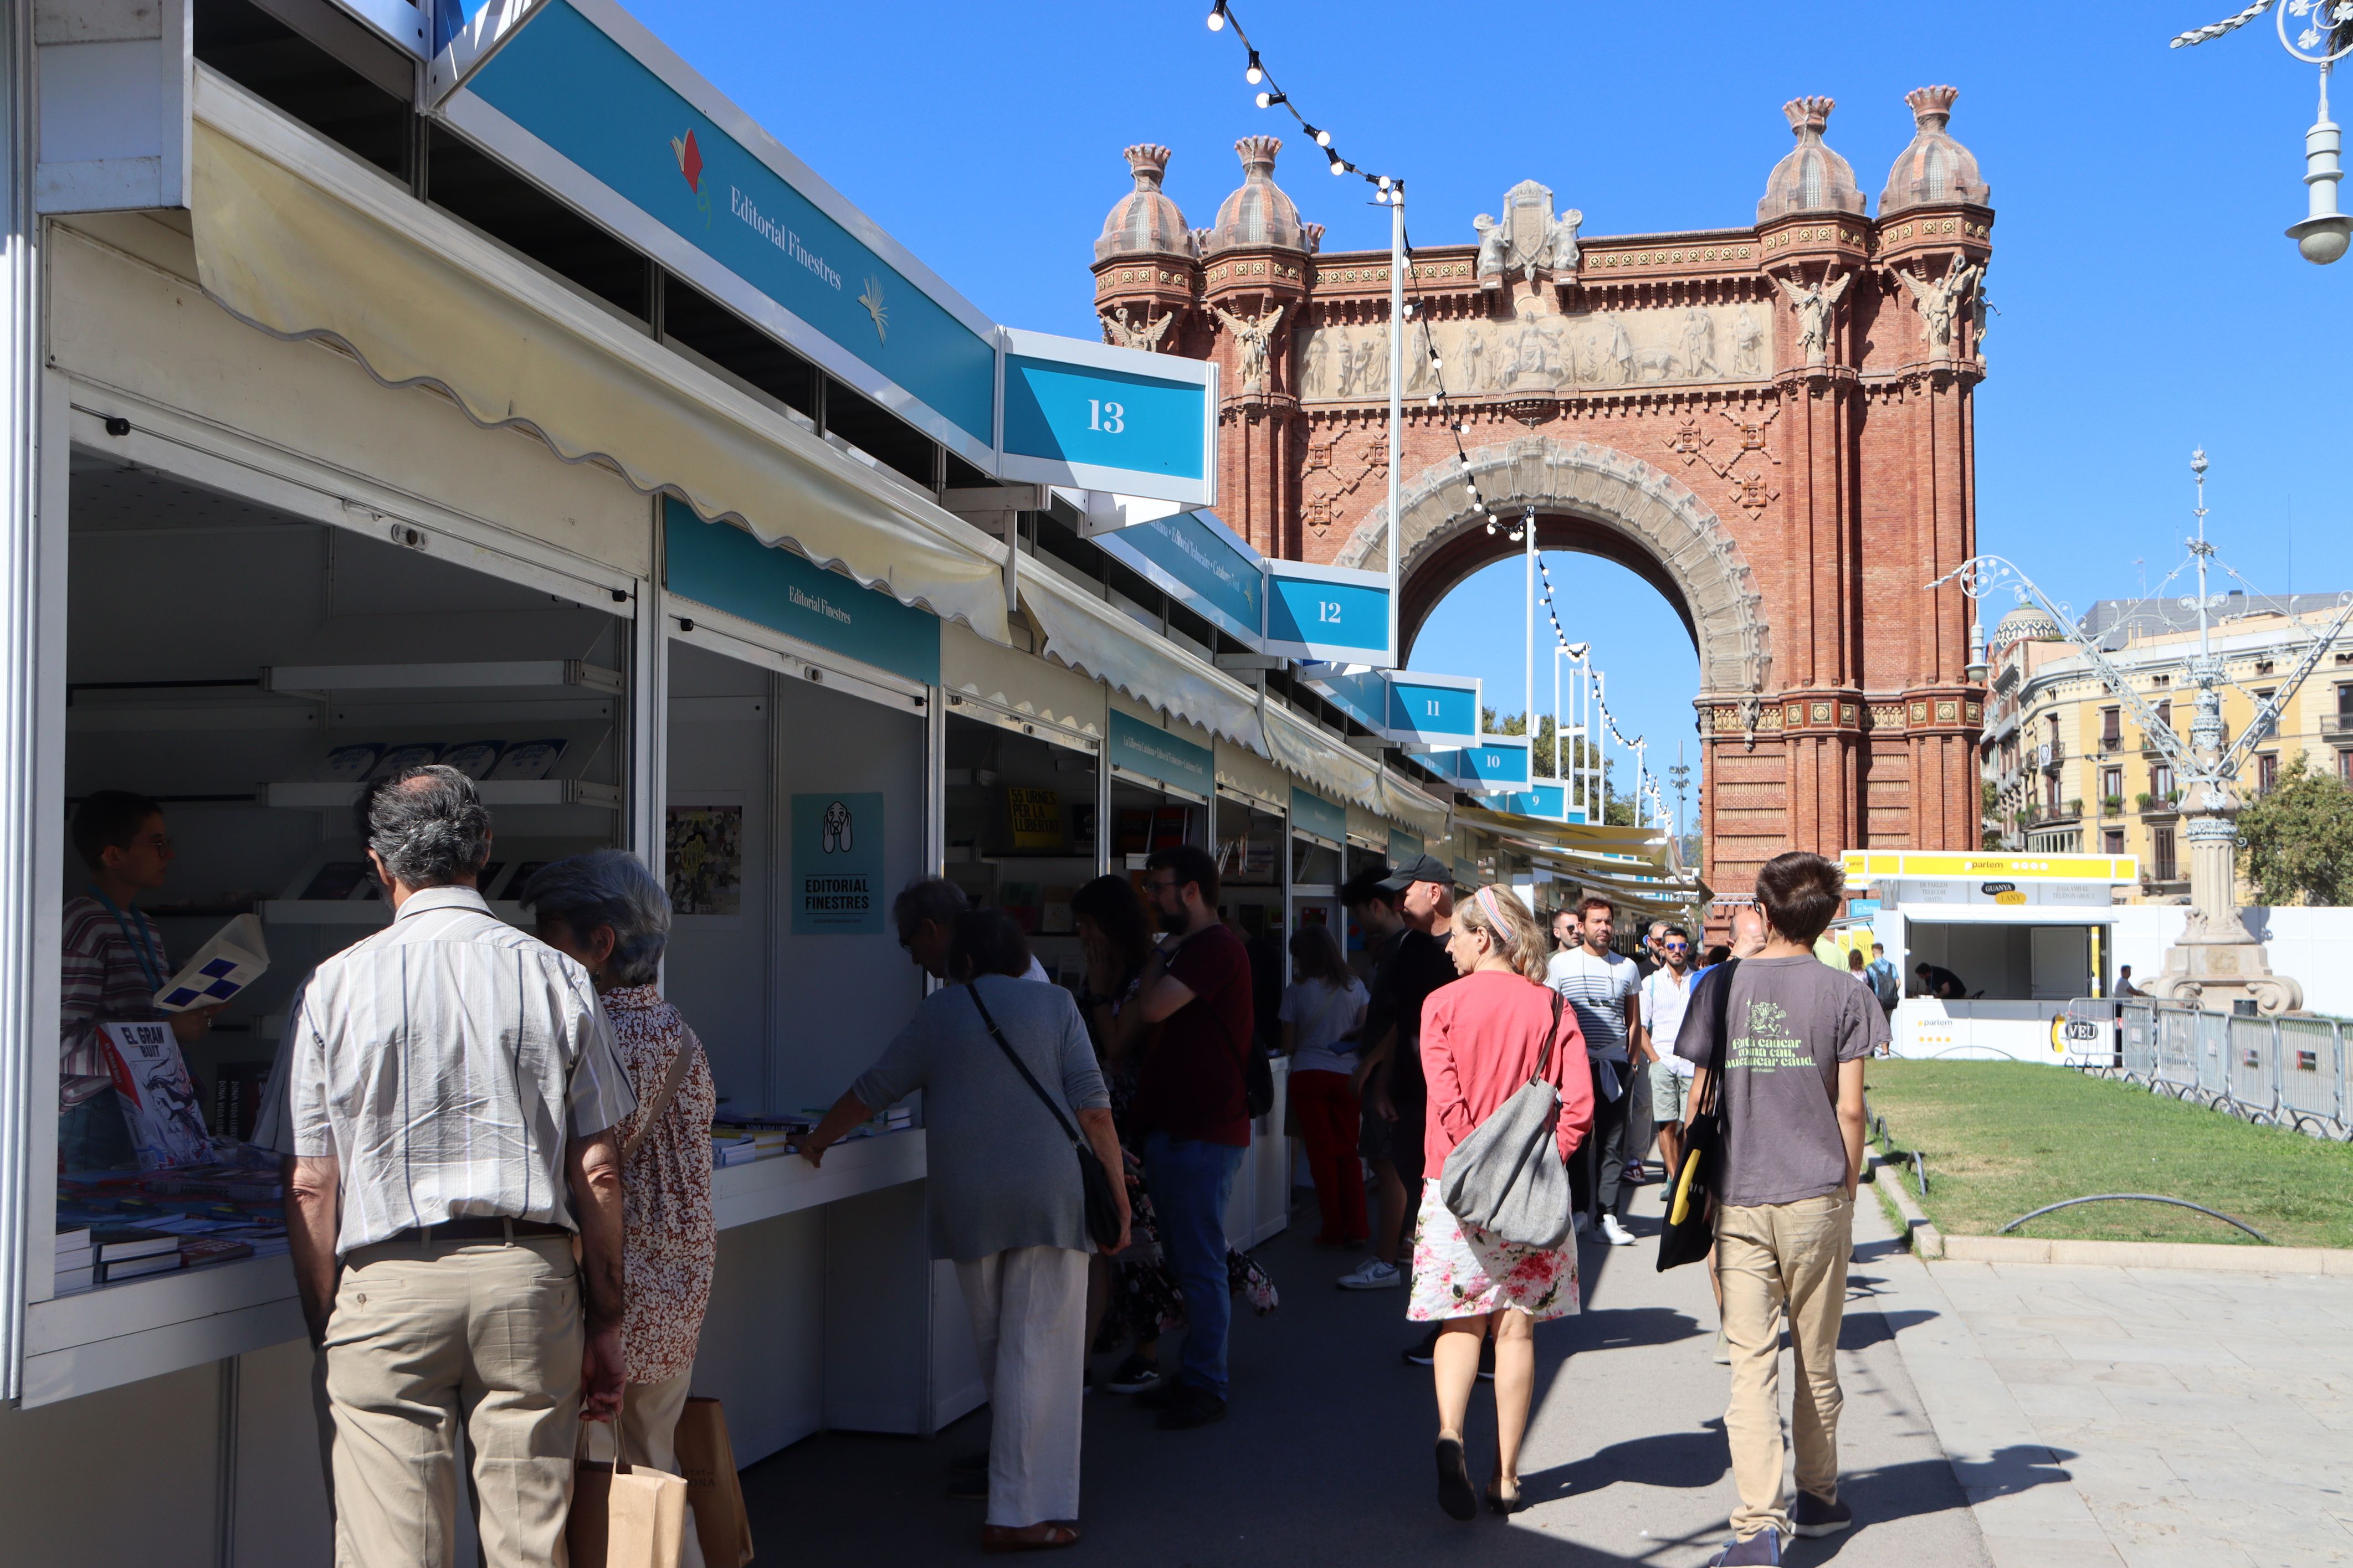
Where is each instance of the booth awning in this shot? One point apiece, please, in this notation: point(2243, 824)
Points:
point(295, 237)
point(1100, 639)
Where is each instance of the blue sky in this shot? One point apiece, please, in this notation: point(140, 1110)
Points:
point(2147, 301)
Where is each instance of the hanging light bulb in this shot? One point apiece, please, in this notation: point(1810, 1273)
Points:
point(1268, 100)
point(1253, 73)
point(1491, 525)
point(1385, 182)
point(1217, 17)
point(1337, 166)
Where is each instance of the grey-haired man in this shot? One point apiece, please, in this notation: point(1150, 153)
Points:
point(445, 1090)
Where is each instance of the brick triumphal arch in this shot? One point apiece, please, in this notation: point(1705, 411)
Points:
point(1770, 424)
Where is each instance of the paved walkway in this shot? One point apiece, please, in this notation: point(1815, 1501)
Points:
point(2198, 1417)
point(1325, 1455)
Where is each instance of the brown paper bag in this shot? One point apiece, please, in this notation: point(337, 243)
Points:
point(625, 1517)
point(707, 1459)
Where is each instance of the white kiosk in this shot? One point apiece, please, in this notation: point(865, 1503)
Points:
point(2024, 935)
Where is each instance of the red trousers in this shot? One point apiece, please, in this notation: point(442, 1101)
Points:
point(1328, 1115)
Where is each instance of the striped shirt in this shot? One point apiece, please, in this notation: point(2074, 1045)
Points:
point(1597, 989)
point(445, 1062)
point(104, 981)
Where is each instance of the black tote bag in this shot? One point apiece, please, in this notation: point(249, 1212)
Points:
point(1691, 1199)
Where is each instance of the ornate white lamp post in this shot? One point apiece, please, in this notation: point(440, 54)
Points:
point(2323, 35)
point(2216, 962)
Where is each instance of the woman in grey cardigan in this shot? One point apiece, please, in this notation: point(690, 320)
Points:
point(1006, 1205)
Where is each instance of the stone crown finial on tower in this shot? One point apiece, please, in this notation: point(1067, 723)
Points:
point(1809, 177)
point(1146, 221)
point(1258, 214)
point(1934, 169)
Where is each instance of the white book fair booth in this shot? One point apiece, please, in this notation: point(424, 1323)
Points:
point(316, 468)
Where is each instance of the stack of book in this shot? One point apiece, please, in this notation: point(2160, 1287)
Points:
point(77, 1261)
point(127, 1252)
point(733, 1149)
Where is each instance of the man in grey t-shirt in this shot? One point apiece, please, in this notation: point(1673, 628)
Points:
point(1792, 1096)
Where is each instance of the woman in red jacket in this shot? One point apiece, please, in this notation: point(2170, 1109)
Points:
point(1480, 1038)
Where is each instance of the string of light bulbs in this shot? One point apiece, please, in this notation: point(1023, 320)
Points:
point(1386, 188)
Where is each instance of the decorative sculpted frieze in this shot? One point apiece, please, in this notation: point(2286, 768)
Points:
point(1578, 351)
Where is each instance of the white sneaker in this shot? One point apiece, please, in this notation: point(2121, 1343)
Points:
point(1372, 1274)
point(1615, 1233)
point(1578, 1225)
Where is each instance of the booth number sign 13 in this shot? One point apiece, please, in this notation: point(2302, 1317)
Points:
point(1111, 418)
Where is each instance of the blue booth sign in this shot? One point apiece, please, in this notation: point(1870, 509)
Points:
point(1548, 801)
point(1498, 765)
point(1404, 848)
point(720, 565)
point(1106, 418)
point(1327, 613)
point(1432, 710)
point(1153, 752)
point(1200, 562)
point(1363, 696)
point(580, 98)
point(1312, 813)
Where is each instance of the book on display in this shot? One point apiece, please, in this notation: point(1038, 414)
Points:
point(159, 1100)
point(235, 958)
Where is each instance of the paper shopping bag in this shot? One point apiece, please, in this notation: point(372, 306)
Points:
point(707, 1459)
point(625, 1517)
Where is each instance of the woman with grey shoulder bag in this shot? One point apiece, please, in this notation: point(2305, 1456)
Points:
point(1494, 1032)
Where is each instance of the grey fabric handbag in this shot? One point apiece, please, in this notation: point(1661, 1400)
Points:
point(1508, 1178)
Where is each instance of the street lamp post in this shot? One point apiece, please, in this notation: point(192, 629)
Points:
point(2216, 961)
point(2326, 37)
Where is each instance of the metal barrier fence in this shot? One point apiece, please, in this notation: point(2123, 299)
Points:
point(2287, 1072)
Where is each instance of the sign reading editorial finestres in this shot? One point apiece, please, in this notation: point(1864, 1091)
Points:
point(1208, 568)
point(1106, 418)
point(838, 865)
point(582, 100)
point(720, 565)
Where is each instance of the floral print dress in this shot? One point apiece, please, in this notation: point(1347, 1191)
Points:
point(670, 1239)
point(1461, 1271)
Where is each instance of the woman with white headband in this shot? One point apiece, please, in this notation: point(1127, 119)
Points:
point(1482, 1038)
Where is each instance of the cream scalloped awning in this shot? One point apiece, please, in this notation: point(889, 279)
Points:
point(1102, 640)
point(295, 237)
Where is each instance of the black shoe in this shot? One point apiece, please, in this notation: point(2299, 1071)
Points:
point(1159, 1396)
point(1454, 1491)
point(1423, 1350)
point(1813, 1516)
point(1136, 1375)
point(1762, 1550)
point(1192, 1405)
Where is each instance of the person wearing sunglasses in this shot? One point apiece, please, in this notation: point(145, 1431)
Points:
point(113, 964)
point(1666, 992)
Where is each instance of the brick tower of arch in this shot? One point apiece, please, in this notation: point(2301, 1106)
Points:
point(1772, 423)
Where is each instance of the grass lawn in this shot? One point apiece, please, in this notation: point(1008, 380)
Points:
point(2005, 1137)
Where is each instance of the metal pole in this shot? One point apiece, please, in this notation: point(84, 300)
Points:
point(1598, 721)
point(1397, 400)
point(1528, 527)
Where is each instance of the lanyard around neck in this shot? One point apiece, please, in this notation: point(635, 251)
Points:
point(136, 934)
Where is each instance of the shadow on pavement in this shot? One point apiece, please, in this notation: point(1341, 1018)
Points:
point(1679, 1460)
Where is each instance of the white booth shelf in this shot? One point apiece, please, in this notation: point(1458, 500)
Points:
point(314, 796)
point(120, 1333)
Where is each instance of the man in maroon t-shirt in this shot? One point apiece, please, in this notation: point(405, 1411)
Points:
point(1191, 1111)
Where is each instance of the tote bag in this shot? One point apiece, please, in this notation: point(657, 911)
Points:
point(1690, 1202)
point(707, 1459)
point(1507, 1178)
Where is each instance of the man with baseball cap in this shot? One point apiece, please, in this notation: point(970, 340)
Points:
point(1393, 1086)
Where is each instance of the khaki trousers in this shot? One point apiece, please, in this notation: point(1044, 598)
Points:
point(649, 1434)
point(1771, 1258)
point(425, 1341)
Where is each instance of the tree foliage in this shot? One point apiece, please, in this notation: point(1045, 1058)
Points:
point(1617, 810)
point(2296, 841)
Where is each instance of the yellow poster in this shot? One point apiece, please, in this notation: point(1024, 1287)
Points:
point(1036, 818)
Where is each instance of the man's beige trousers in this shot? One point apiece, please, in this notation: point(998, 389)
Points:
point(1770, 1258)
point(425, 1341)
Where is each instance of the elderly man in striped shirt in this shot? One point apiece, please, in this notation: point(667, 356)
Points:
point(445, 1090)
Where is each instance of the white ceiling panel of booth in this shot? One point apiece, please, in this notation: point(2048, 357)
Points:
point(296, 237)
